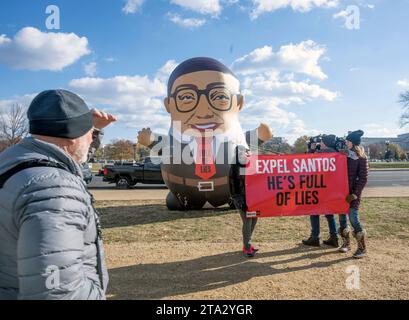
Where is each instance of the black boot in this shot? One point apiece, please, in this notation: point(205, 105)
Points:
point(312, 241)
point(332, 241)
point(361, 251)
point(346, 241)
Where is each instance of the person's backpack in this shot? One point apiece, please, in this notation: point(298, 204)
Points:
point(35, 163)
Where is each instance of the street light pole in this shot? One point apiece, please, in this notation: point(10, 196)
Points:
point(134, 151)
point(387, 155)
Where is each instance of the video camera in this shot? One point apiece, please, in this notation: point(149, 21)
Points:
point(340, 144)
point(314, 144)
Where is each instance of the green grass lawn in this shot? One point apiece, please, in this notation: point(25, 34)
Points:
point(150, 221)
point(389, 165)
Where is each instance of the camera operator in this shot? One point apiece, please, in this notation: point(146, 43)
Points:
point(322, 144)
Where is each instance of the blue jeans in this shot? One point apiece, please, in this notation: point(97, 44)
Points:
point(315, 225)
point(353, 218)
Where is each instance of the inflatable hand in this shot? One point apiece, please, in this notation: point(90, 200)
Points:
point(145, 137)
point(264, 131)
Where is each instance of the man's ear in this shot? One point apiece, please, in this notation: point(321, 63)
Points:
point(240, 101)
point(166, 102)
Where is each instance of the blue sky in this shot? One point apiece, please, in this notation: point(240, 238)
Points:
point(302, 69)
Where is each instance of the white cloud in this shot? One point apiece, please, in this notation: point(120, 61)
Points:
point(284, 123)
point(132, 6)
point(268, 94)
point(189, 23)
point(4, 40)
point(90, 69)
point(379, 131)
point(300, 58)
point(272, 80)
point(270, 85)
point(404, 83)
point(343, 14)
point(210, 7)
point(164, 72)
point(137, 100)
point(23, 100)
point(33, 49)
point(263, 6)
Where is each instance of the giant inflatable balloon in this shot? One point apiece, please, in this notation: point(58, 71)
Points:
point(204, 101)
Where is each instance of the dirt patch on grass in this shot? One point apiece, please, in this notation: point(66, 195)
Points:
point(281, 270)
point(156, 254)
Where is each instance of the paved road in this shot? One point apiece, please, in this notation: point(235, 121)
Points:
point(376, 179)
point(389, 179)
point(98, 184)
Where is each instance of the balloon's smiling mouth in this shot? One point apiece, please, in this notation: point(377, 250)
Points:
point(206, 126)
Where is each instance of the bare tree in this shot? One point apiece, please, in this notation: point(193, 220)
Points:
point(120, 150)
point(377, 151)
point(3, 145)
point(301, 145)
point(275, 146)
point(13, 125)
point(404, 100)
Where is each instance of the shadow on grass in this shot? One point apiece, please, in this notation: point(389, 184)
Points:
point(164, 280)
point(124, 216)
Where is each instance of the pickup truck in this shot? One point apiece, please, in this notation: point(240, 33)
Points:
point(128, 175)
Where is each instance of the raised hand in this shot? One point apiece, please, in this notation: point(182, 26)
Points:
point(102, 119)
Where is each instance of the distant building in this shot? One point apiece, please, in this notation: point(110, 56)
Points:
point(401, 140)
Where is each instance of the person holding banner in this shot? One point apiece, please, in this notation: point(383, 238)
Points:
point(238, 198)
point(323, 144)
point(357, 176)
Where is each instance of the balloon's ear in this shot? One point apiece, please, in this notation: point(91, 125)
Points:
point(166, 102)
point(240, 101)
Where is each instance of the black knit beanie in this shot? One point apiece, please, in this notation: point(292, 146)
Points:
point(329, 140)
point(59, 113)
point(355, 137)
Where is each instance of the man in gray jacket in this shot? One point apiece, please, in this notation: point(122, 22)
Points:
point(50, 239)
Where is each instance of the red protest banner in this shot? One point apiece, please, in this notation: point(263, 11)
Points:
point(294, 185)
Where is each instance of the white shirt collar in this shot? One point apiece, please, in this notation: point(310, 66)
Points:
point(234, 137)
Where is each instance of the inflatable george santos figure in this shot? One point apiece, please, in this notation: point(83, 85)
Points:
point(204, 102)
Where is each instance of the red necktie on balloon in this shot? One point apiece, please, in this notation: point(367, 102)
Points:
point(205, 166)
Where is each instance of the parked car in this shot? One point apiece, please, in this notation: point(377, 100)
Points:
point(86, 171)
point(128, 175)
